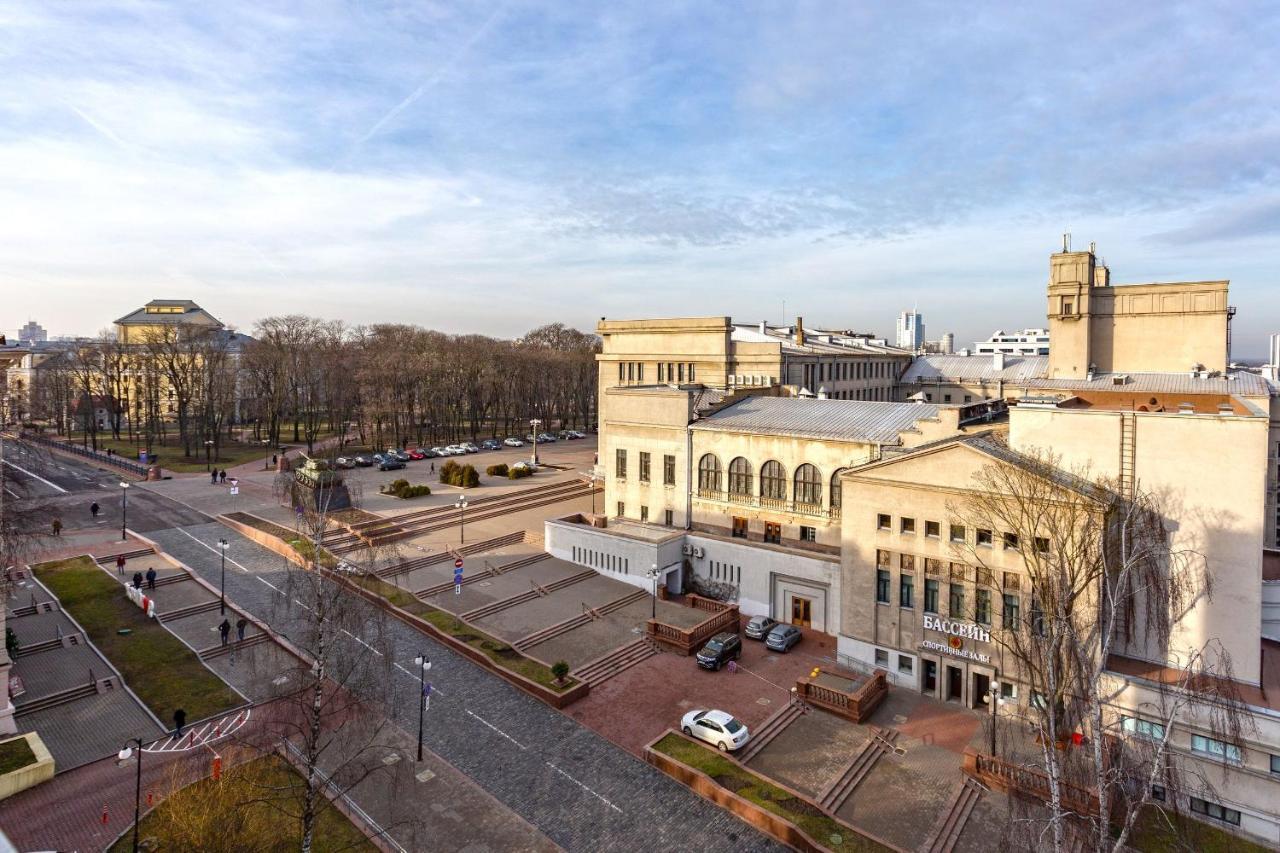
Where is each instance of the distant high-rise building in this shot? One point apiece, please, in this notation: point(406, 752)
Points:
point(948, 343)
point(1021, 342)
point(32, 333)
point(911, 330)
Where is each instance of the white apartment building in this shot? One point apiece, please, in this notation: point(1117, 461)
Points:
point(1022, 342)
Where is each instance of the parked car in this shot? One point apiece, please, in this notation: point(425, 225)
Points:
point(402, 455)
point(573, 433)
point(440, 451)
point(782, 637)
point(513, 442)
point(417, 453)
point(719, 650)
point(469, 447)
point(759, 626)
point(364, 460)
point(388, 462)
point(491, 444)
point(455, 450)
point(722, 730)
point(545, 438)
point(429, 453)
point(344, 462)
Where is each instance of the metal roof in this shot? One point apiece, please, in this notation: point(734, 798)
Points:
point(848, 420)
point(970, 368)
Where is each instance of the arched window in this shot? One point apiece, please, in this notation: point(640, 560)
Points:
point(740, 477)
point(773, 481)
point(709, 473)
point(835, 488)
point(808, 486)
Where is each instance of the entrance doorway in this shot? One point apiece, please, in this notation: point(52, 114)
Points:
point(772, 532)
point(801, 611)
point(981, 690)
point(955, 684)
point(931, 677)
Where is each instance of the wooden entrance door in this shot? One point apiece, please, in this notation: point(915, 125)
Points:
point(801, 611)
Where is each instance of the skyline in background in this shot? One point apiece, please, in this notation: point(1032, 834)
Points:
point(491, 167)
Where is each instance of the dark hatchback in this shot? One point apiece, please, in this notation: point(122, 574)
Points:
point(719, 650)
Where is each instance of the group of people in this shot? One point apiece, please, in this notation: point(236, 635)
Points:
point(224, 630)
point(216, 477)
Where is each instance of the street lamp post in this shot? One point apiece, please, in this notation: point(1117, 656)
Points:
point(994, 692)
point(124, 755)
point(208, 447)
point(593, 494)
point(124, 510)
point(223, 545)
point(534, 423)
point(423, 666)
point(461, 506)
point(653, 576)
point(266, 454)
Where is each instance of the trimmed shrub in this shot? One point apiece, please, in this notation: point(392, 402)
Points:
point(499, 470)
point(560, 669)
point(402, 489)
point(463, 476)
point(519, 473)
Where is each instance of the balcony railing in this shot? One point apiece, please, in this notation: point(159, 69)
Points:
point(772, 504)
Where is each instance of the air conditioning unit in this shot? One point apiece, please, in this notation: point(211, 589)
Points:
point(687, 550)
point(699, 553)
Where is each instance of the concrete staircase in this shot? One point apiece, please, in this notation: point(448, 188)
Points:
point(952, 820)
point(603, 668)
point(190, 610)
point(881, 742)
point(769, 730)
point(538, 592)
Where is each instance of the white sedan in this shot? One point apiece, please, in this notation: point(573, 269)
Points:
point(717, 728)
point(513, 442)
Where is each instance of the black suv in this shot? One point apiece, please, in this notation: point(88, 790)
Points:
point(719, 650)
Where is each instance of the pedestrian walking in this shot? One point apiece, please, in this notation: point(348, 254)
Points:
point(120, 564)
point(273, 460)
point(213, 478)
point(224, 630)
point(179, 722)
point(151, 578)
point(241, 624)
point(433, 467)
point(57, 527)
point(137, 580)
point(94, 509)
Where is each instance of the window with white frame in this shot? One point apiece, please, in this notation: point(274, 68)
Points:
point(1216, 748)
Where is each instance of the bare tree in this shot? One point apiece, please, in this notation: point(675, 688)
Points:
point(1098, 577)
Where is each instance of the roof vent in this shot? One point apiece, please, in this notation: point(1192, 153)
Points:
point(822, 392)
point(965, 352)
point(997, 360)
point(1186, 408)
point(1120, 379)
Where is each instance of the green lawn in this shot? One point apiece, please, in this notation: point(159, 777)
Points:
point(819, 826)
point(15, 754)
point(1159, 831)
point(161, 670)
point(170, 456)
point(245, 810)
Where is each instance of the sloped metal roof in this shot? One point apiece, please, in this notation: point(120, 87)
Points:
point(849, 420)
point(1017, 368)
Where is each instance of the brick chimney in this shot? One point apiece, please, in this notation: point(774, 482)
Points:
point(799, 331)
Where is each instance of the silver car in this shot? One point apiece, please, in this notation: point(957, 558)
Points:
point(717, 728)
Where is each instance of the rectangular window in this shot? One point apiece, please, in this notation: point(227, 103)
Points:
point(1042, 545)
point(668, 470)
point(1275, 764)
point(640, 371)
point(620, 464)
point(932, 529)
point(1011, 542)
point(772, 532)
point(882, 657)
point(984, 538)
point(1010, 616)
point(882, 586)
point(907, 525)
point(1008, 690)
point(1217, 811)
point(739, 528)
point(1157, 793)
point(955, 601)
point(680, 368)
point(661, 372)
point(906, 591)
point(932, 566)
point(1142, 728)
point(644, 466)
point(930, 596)
point(691, 376)
point(1012, 581)
point(907, 562)
point(882, 558)
point(1216, 748)
point(622, 509)
point(808, 534)
point(959, 571)
point(946, 398)
point(668, 518)
point(905, 665)
point(883, 522)
point(644, 513)
point(982, 606)
point(631, 370)
point(622, 372)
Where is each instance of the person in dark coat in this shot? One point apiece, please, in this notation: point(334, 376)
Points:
point(241, 624)
point(137, 580)
point(224, 630)
point(222, 476)
point(151, 578)
point(94, 509)
point(213, 477)
point(120, 564)
point(179, 721)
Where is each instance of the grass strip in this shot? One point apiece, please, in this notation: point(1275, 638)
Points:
point(15, 754)
point(163, 672)
point(729, 775)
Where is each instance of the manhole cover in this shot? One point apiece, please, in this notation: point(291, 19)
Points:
point(762, 701)
point(424, 776)
point(485, 583)
point(393, 758)
point(837, 839)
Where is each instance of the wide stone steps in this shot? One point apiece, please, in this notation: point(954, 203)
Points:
point(417, 515)
point(552, 631)
point(952, 820)
point(498, 606)
point(603, 668)
point(769, 730)
point(110, 559)
point(190, 610)
point(233, 646)
point(416, 563)
point(62, 697)
point(33, 609)
point(50, 645)
point(513, 538)
point(880, 743)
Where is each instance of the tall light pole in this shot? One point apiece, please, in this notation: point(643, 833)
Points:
point(534, 423)
point(124, 755)
point(423, 666)
point(223, 545)
point(124, 510)
point(593, 494)
point(653, 576)
point(266, 454)
point(461, 506)
point(208, 447)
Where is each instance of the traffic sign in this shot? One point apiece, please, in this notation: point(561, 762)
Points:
point(457, 589)
point(457, 564)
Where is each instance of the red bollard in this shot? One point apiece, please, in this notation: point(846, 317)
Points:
point(104, 814)
point(217, 767)
point(150, 799)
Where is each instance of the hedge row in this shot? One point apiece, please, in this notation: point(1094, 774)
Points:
point(463, 476)
point(402, 489)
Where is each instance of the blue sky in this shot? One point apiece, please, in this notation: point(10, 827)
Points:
point(489, 166)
